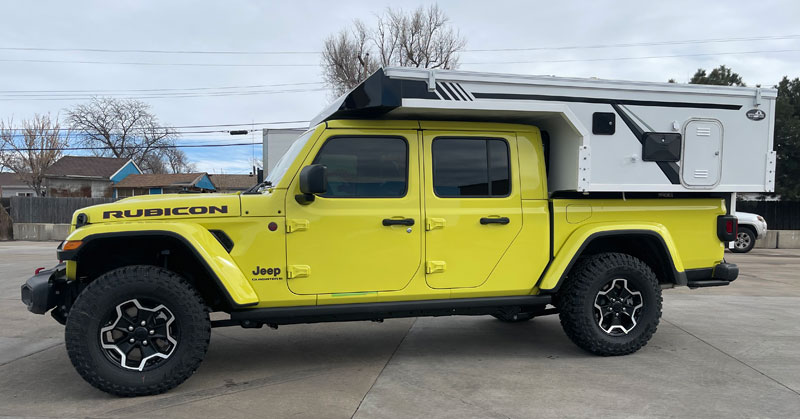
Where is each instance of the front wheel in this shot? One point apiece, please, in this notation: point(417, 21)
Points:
point(610, 304)
point(137, 330)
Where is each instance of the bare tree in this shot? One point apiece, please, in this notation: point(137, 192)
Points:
point(29, 151)
point(124, 128)
point(421, 38)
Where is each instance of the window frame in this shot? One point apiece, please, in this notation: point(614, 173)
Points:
point(488, 162)
point(408, 163)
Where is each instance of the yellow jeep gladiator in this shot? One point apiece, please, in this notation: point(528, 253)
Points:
point(368, 219)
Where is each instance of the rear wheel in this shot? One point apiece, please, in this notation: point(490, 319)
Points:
point(745, 240)
point(137, 330)
point(610, 304)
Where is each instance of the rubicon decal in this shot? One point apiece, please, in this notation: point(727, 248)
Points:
point(166, 212)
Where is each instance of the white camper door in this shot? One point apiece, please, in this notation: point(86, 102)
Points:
point(702, 153)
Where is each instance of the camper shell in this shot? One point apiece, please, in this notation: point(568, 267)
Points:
point(601, 135)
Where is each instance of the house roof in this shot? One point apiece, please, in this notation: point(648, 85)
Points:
point(86, 166)
point(160, 180)
point(233, 182)
point(10, 179)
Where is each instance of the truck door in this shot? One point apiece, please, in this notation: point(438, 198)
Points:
point(702, 153)
point(364, 233)
point(472, 205)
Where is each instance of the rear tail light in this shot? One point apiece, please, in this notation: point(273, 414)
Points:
point(727, 226)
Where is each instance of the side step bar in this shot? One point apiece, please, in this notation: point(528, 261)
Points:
point(274, 316)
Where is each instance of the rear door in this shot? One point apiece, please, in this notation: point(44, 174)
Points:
point(472, 205)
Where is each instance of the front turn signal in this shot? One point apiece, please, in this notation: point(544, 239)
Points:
point(72, 245)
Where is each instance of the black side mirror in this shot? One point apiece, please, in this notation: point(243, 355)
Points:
point(313, 180)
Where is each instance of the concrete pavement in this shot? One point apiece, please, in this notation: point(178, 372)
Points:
point(725, 352)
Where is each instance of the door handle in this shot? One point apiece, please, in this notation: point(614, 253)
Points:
point(495, 220)
point(398, 222)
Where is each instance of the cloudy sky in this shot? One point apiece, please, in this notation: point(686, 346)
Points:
point(189, 89)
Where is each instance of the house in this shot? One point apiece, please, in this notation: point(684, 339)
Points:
point(233, 183)
point(11, 185)
point(153, 184)
point(87, 176)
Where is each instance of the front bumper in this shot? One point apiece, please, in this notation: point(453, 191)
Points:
point(43, 291)
point(720, 275)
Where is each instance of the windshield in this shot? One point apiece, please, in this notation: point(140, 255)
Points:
point(277, 172)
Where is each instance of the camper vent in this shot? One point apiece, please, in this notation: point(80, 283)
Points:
point(700, 173)
point(703, 132)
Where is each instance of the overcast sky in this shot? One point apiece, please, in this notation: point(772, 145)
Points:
point(301, 26)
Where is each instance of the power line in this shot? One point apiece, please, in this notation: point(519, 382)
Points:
point(242, 52)
point(204, 126)
point(161, 96)
point(640, 44)
point(635, 58)
point(255, 86)
point(142, 147)
point(481, 62)
point(148, 63)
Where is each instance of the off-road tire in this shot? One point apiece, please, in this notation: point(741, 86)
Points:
point(104, 294)
point(576, 299)
point(751, 234)
point(513, 318)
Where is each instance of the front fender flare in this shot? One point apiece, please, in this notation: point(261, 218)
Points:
point(574, 245)
point(219, 264)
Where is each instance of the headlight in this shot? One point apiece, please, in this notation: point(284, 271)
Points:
point(760, 218)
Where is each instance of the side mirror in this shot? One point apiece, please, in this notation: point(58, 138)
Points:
point(313, 180)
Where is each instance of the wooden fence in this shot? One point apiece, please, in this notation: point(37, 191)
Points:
point(26, 209)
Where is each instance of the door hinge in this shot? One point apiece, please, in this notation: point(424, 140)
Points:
point(296, 225)
point(298, 271)
point(434, 266)
point(432, 223)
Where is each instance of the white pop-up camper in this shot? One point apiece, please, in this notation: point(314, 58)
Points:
point(604, 136)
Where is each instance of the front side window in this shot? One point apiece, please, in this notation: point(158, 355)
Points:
point(470, 167)
point(365, 167)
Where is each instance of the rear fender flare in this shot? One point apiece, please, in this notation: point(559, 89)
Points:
point(577, 242)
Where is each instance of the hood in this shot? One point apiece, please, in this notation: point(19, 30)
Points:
point(161, 207)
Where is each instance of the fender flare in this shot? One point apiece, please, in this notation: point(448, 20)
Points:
point(207, 249)
point(573, 248)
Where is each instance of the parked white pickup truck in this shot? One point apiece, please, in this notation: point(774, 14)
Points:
point(751, 228)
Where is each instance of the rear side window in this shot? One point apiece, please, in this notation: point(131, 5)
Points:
point(365, 167)
point(470, 167)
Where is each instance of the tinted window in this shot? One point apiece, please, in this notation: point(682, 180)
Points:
point(365, 167)
point(470, 167)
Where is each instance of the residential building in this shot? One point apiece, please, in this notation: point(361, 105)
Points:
point(11, 185)
point(87, 176)
point(233, 183)
point(153, 184)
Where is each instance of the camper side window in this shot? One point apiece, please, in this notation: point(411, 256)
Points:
point(470, 167)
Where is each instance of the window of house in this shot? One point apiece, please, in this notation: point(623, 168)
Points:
point(365, 167)
point(471, 167)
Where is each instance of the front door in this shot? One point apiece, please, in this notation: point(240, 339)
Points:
point(364, 233)
point(473, 207)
